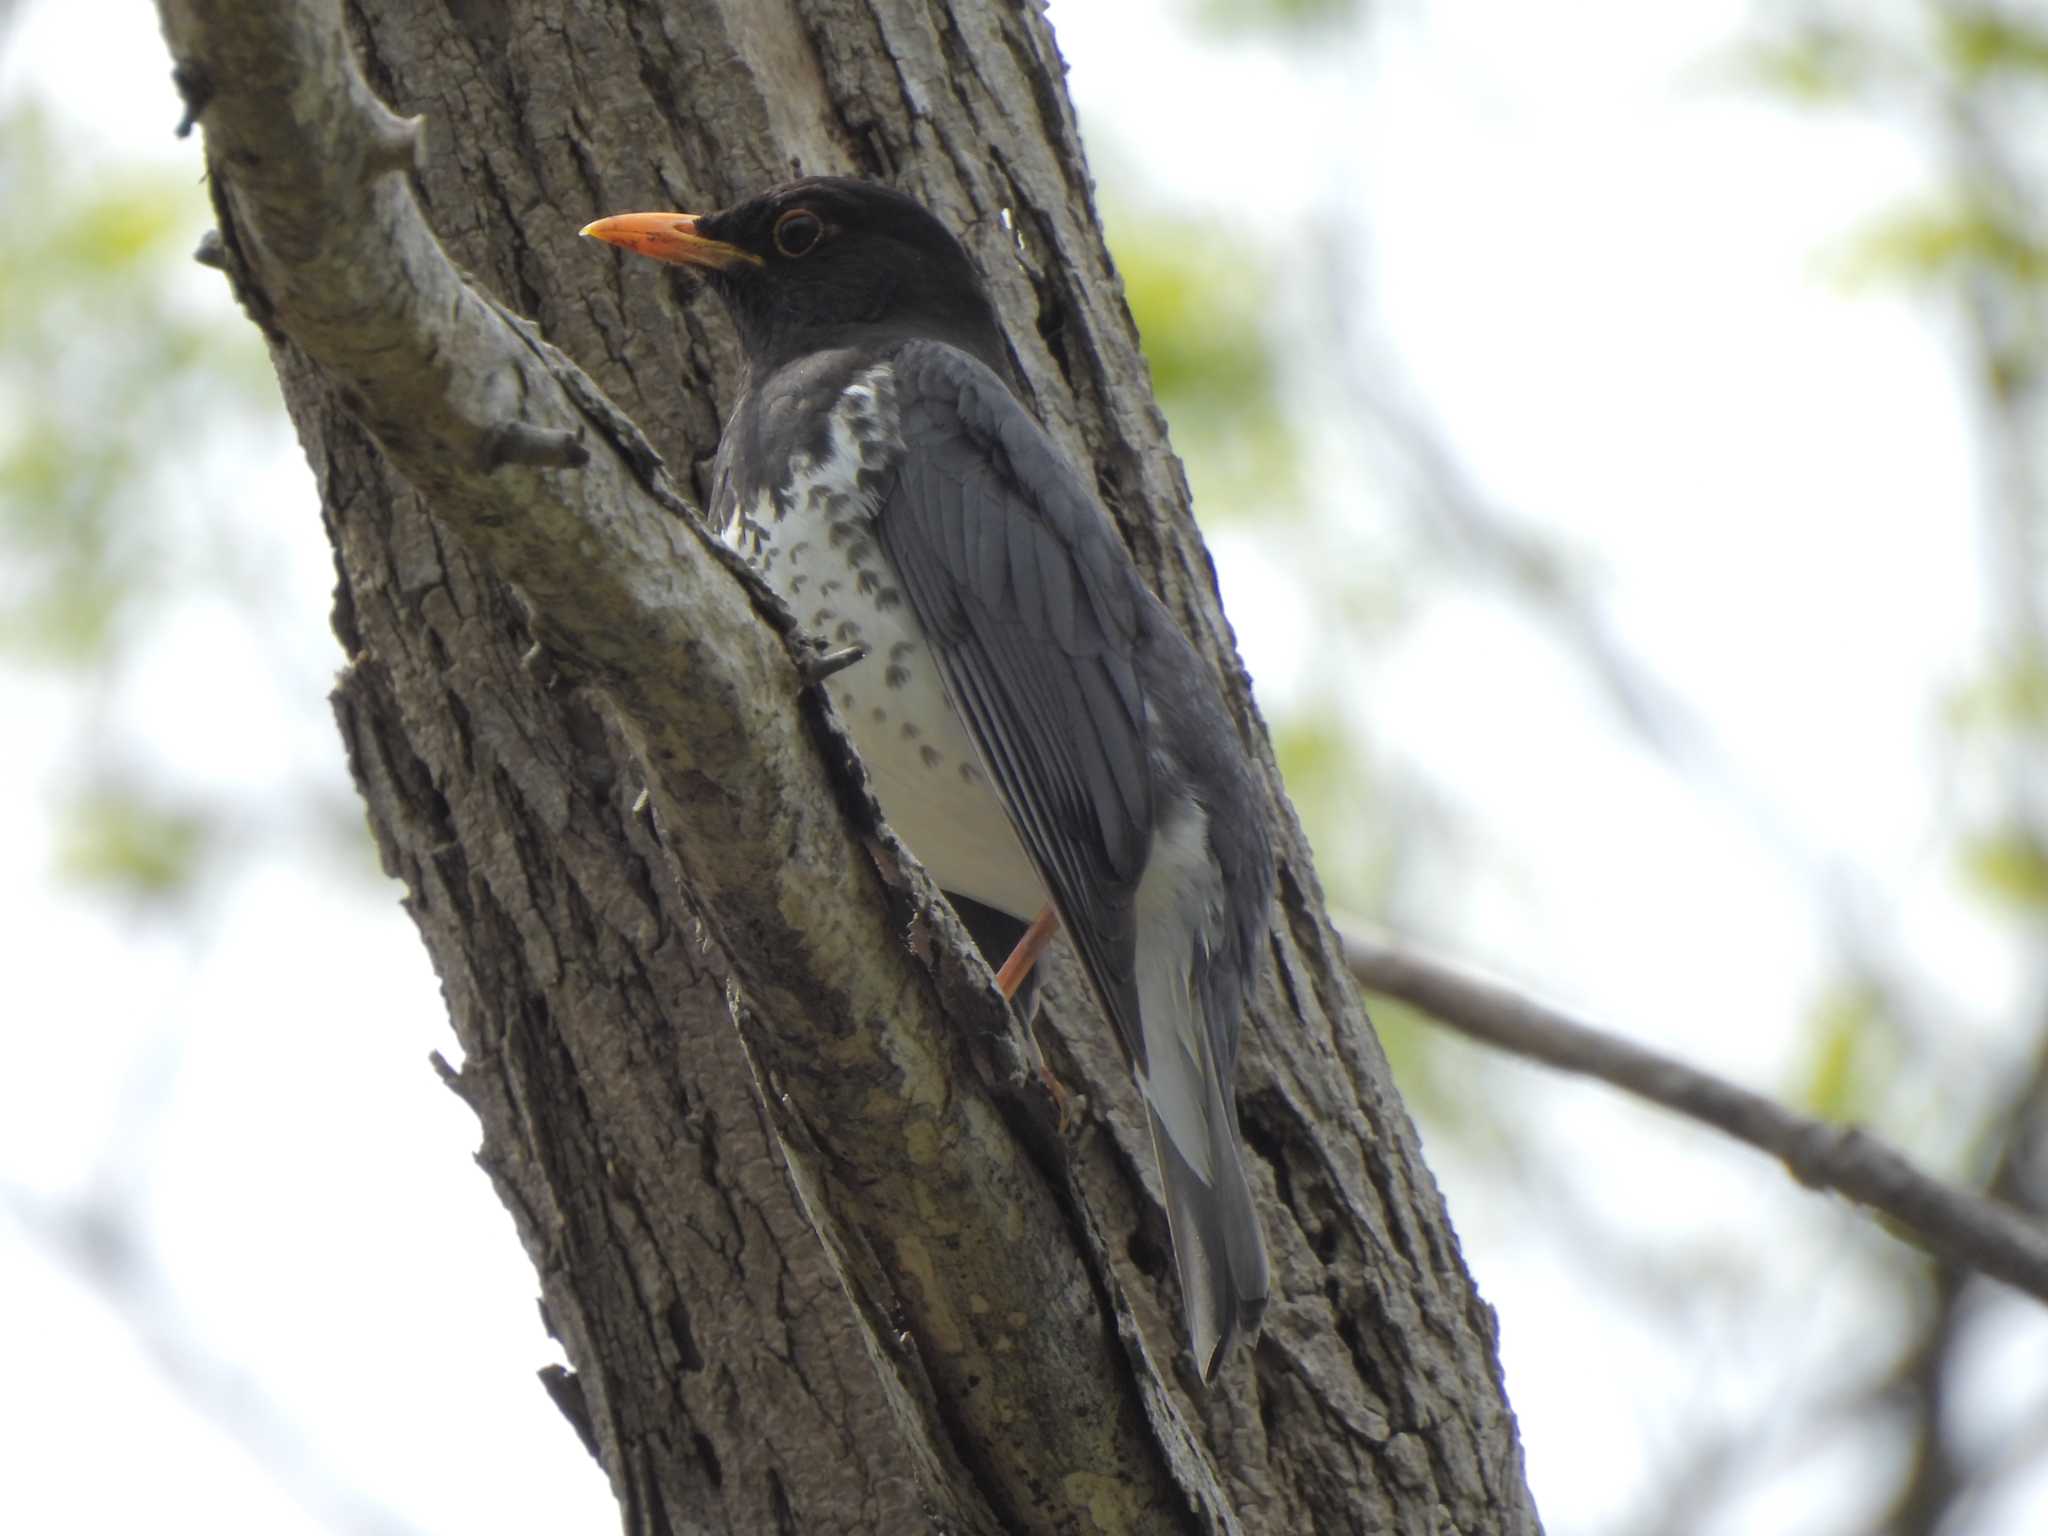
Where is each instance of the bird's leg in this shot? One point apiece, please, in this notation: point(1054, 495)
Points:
point(1025, 955)
point(1012, 976)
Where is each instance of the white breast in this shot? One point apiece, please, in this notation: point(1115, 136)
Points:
point(813, 540)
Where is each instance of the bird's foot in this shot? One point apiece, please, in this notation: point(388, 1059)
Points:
point(1071, 1107)
point(815, 664)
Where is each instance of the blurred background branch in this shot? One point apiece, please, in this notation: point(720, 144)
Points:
point(1959, 1229)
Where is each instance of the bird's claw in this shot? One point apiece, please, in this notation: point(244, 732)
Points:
point(815, 666)
point(1069, 1105)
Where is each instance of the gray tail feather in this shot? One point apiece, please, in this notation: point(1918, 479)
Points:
point(1217, 1244)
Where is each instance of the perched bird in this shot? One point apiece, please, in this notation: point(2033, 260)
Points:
point(1034, 724)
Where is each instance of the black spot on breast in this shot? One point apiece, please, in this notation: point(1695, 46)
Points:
point(969, 774)
point(897, 675)
point(931, 756)
point(859, 551)
point(848, 630)
point(797, 550)
point(910, 730)
point(900, 650)
point(796, 582)
point(829, 587)
point(865, 581)
point(822, 617)
point(880, 714)
point(839, 532)
point(888, 598)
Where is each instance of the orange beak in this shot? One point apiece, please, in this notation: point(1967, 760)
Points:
point(668, 237)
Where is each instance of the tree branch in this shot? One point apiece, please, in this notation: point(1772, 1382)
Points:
point(1951, 1223)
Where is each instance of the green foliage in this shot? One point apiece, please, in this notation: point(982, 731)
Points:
point(1284, 18)
point(2012, 696)
point(128, 841)
point(2009, 865)
point(1818, 65)
point(1945, 64)
point(1819, 59)
point(1435, 1082)
point(114, 384)
point(1978, 42)
point(1195, 291)
point(1329, 776)
point(1313, 752)
point(1851, 1053)
point(103, 375)
point(1972, 76)
point(1940, 241)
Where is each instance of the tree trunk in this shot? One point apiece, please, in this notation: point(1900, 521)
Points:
point(799, 1219)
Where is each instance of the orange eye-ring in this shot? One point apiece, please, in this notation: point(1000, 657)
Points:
point(797, 231)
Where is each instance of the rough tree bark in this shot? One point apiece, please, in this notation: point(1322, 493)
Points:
point(796, 1214)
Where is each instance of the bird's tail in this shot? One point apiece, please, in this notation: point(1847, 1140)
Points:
point(1217, 1243)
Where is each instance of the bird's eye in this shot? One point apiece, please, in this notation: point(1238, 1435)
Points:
point(797, 231)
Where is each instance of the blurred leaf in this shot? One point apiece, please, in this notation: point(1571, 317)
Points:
point(1435, 1084)
point(1844, 1032)
point(126, 843)
point(1280, 17)
point(1320, 771)
point(1331, 780)
point(1816, 66)
point(1313, 756)
point(107, 383)
point(1194, 301)
point(1823, 61)
point(2014, 697)
point(1979, 42)
point(1934, 241)
point(1196, 291)
point(2011, 867)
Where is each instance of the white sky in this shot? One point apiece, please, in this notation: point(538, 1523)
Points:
point(1603, 272)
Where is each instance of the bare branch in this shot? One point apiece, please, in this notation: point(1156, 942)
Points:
point(1951, 1223)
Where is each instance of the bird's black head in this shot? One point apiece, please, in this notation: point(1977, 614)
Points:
point(825, 262)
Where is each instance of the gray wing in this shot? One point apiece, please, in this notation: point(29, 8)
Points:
point(1031, 608)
